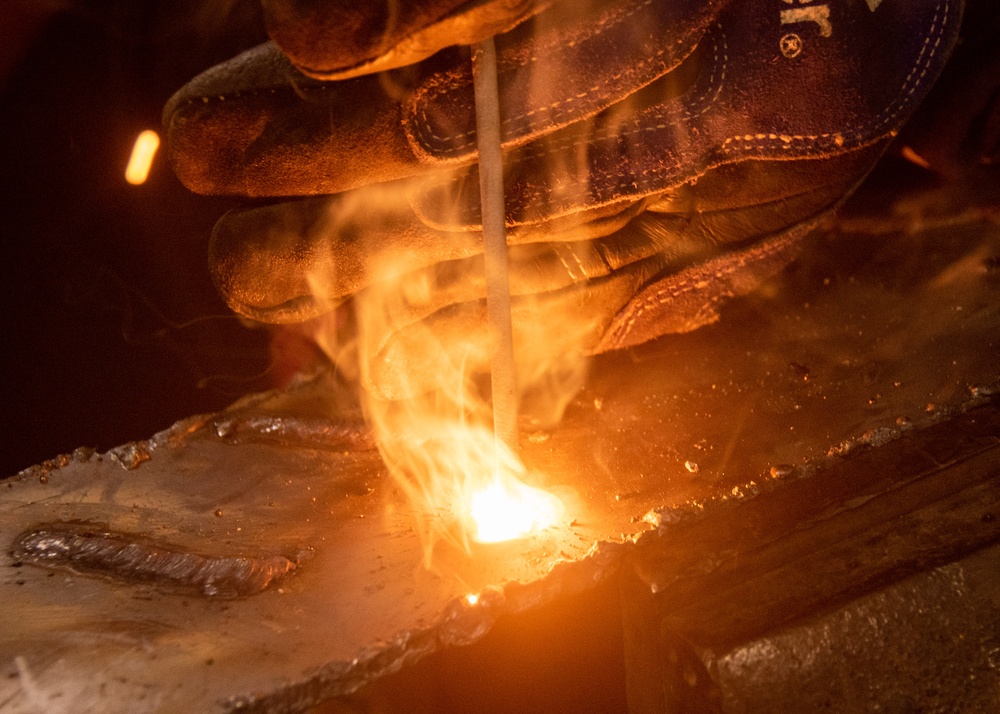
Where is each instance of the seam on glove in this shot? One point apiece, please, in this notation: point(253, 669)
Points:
point(883, 120)
point(679, 107)
point(300, 90)
point(703, 152)
point(429, 136)
point(711, 272)
point(444, 146)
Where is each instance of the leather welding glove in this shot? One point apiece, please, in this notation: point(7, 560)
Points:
point(659, 156)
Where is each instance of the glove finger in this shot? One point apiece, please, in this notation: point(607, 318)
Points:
point(339, 39)
point(679, 231)
point(682, 302)
point(288, 262)
point(534, 269)
point(400, 361)
point(426, 355)
point(256, 126)
point(819, 82)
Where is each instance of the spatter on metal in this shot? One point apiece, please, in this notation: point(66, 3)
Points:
point(132, 455)
point(295, 431)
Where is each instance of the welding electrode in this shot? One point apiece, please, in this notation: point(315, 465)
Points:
point(502, 377)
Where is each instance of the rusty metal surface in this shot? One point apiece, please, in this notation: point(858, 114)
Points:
point(814, 370)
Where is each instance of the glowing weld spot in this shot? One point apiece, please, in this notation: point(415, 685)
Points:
point(508, 510)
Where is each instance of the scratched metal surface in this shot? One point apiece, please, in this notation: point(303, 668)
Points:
point(868, 336)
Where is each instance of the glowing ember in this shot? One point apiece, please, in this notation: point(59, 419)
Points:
point(141, 160)
point(510, 509)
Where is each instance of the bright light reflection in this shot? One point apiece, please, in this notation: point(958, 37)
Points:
point(472, 598)
point(141, 160)
point(510, 509)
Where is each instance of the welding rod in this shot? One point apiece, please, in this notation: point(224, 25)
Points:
point(502, 377)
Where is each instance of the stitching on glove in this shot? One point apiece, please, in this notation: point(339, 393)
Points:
point(680, 107)
point(700, 278)
point(445, 146)
point(561, 250)
point(432, 93)
point(300, 90)
point(237, 94)
point(895, 108)
point(803, 144)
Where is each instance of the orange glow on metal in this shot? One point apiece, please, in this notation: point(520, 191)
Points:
point(507, 509)
point(141, 160)
point(475, 486)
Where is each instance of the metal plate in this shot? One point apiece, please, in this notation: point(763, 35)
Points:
point(867, 339)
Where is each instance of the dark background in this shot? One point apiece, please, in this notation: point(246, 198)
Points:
point(112, 329)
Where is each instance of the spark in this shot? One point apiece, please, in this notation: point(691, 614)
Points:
point(141, 159)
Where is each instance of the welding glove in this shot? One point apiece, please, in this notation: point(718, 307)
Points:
point(659, 156)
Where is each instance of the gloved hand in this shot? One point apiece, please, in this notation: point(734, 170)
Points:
point(660, 156)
